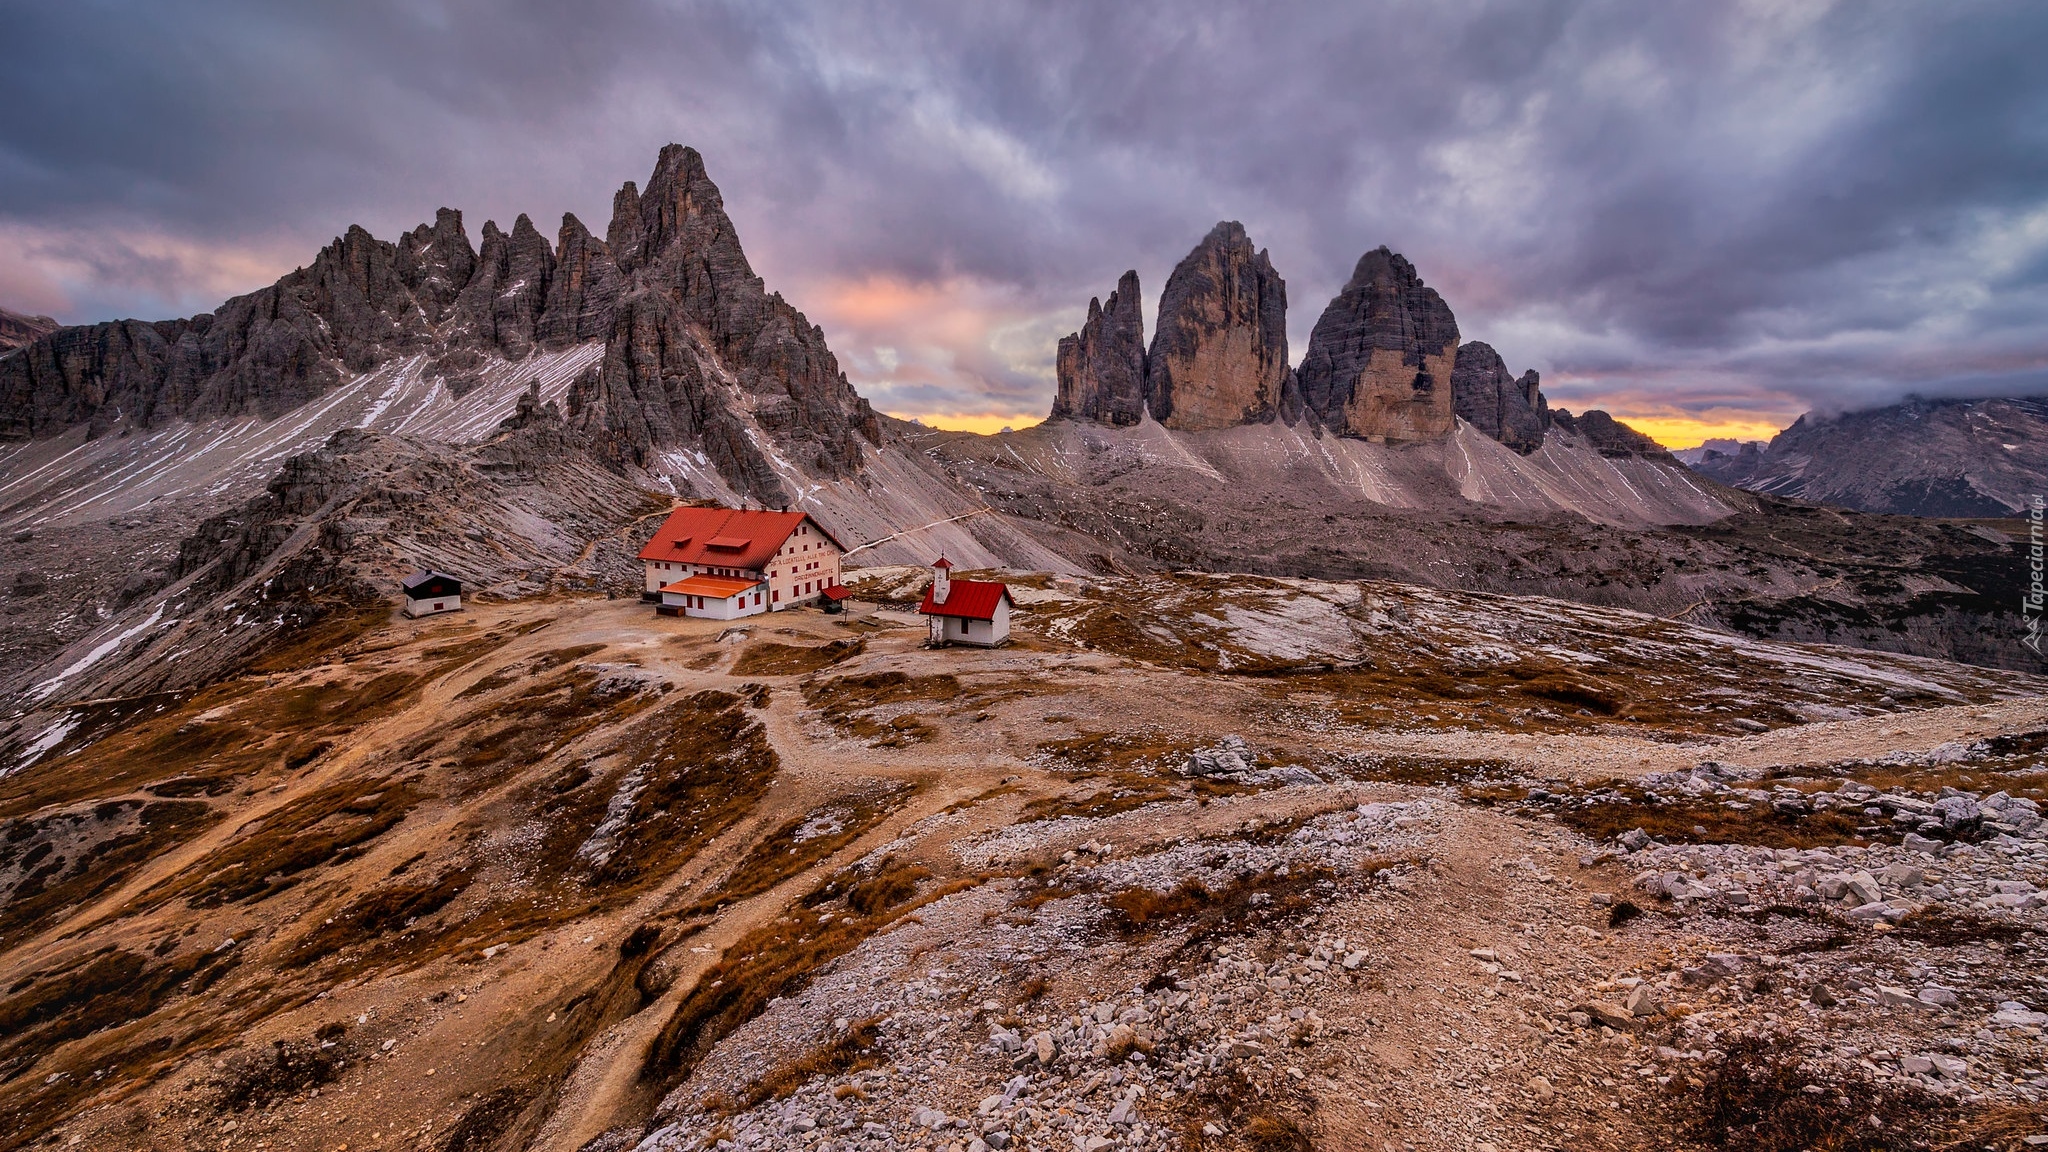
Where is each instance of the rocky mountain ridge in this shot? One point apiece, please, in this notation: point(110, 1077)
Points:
point(1596, 514)
point(704, 385)
point(17, 329)
point(361, 303)
point(699, 353)
point(1984, 457)
point(1379, 360)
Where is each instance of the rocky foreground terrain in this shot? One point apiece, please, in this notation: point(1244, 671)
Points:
point(1220, 862)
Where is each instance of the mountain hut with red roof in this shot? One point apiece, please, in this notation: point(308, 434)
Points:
point(724, 563)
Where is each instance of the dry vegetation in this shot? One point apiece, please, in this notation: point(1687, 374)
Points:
point(1705, 820)
point(270, 854)
point(775, 960)
point(852, 1050)
point(768, 658)
point(874, 706)
point(799, 844)
point(374, 812)
point(1761, 1097)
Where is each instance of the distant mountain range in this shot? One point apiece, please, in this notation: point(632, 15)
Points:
point(1919, 458)
point(506, 411)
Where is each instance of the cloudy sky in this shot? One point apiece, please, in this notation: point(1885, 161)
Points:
point(1704, 217)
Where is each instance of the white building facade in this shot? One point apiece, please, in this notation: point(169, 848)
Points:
point(789, 555)
point(975, 612)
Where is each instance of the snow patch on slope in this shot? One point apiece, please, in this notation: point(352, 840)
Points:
point(78, 478)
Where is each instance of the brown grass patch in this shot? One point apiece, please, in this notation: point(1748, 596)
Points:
point(519, 670)
point(1116, 751)
point(382, 910)
point(252, 732)
point(1129, 792)
point(704, 765)
point(1703, 820)
point(1999, 1126)
point(1142, 913)
point(775, 960)
point(93, 1009)
point(768, 658)
point(484, 1122)
point(1531, 695)
point(318, 643)
point(1948, 927)
point(270, 854)
point(1255, 1117)
point(111, 840)
point(109, 989)
point(1756, 1099)
point(848, 703)
point(2007, 764)
point(982, 797)
point(1428, 771)
point(1272, 1132)
point(781, 855)
point(257, 1079)
point(177, 749)
point(708, 765)
point(496, 741)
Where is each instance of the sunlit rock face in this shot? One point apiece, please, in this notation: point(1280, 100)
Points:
point(1219, 348)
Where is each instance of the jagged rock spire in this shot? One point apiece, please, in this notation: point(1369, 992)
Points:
point(1492, 400)
point(1102, 367)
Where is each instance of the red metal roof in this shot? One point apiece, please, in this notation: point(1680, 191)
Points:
point(837, 592)
point(728, 537)
point(716, 587)
point(942, 562)
point(968, 600)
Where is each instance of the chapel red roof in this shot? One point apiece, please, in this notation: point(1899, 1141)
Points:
point(968, 600)
point(728, 537)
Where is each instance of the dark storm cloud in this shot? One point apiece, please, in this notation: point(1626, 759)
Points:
point(1686, 210)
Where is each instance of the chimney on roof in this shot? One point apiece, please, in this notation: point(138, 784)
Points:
point(942, 580)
